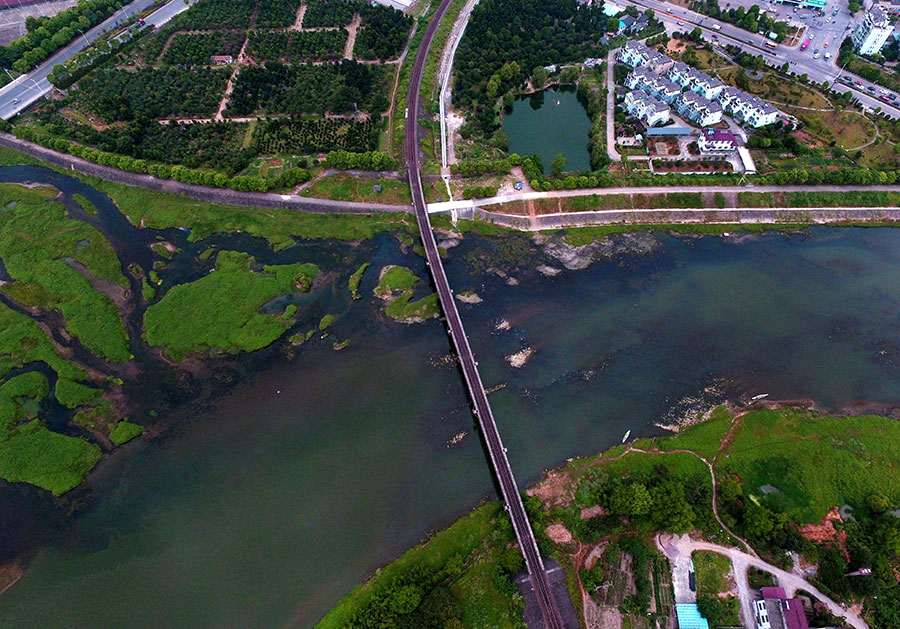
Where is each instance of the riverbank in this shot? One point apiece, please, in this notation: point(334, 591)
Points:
point(578, 509)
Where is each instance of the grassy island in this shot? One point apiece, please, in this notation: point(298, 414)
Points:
point(221, 310)
point(395, 287)
point(43, 250)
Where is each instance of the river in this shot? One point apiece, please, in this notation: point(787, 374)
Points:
point(266, 508)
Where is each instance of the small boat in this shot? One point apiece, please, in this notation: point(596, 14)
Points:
point(760, 396)
point(625, 438)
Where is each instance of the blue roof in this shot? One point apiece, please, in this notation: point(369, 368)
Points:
point(689, 617)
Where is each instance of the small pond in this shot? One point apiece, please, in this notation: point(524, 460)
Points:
point(550, 122)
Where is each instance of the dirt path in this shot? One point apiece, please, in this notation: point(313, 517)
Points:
point(352, 29)
point(298, 23)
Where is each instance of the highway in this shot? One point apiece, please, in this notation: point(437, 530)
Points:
point(800, 61)
point(28, 88)
point(510, 491)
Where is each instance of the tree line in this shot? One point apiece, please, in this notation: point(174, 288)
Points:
point(46, 35)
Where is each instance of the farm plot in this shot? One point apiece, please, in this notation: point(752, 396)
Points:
point(197, 48)
point(296, 47)
point(218, 14)
point(310, 135)
point(277, 13)
point(330, 13)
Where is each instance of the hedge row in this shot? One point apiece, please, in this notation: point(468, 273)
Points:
point(243, 183)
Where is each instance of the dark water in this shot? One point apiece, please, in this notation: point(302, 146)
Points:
point(550, 122)
point(266, 509)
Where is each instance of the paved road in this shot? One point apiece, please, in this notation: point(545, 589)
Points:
point(446, 206)
point(800, 61)
point(28, 88)
point(611, 108)
point(681, 547)
point(509, 490)
point(203, 193)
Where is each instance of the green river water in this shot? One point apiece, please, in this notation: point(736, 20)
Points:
point(311, 473)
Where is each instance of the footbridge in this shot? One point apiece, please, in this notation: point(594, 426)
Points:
point(497, 453)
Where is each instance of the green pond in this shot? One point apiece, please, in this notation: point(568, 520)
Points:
point(547, 123)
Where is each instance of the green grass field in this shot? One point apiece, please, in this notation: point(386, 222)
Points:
point(344, 187)
point(221, 311)
point(458, 566)
point(814, 462)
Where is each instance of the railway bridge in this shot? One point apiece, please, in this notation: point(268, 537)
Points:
point(552, 619)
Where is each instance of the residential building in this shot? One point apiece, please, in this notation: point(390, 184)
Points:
point(657, 86)
point(646, 108)
point(777, 611)
point(625, 23)
point(872, 32)
point(698, 108)
point(748, 109)
point(695, 80)
point(706, 85)
point(637, 54)
point(641, 23)
point(717, 141)
point(223, 60)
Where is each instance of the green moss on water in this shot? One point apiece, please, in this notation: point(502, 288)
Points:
point(99, 417)
point(326, 322)
point(124, 432)
point(22, 342)
point(395, 278)
point(36, 241)
point(161, 250)
point(161, 210)
point(206, 254)
point(148, 292)
point(74, 394)
point(396, 287)
point(33, 454)
point(356, 279)
point(221, 311)
point(86, 204)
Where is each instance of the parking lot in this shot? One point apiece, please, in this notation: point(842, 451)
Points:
point(826, 31)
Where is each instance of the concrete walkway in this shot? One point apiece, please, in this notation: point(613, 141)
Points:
point(611, 107)
point(677, 549)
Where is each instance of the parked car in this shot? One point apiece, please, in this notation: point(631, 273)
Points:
point(859, 83)
point(883, 97)
point(816, 53)
point(870, 89)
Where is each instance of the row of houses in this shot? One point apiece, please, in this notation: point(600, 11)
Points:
point(647, 108)
point(665, 79)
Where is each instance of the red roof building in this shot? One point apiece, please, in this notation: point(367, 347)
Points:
point(777, 611)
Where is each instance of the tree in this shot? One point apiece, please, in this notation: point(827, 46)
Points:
point(710, 607)
point(877, 503)
point(539, 77)
point(612, 25)
point(671, 511)
point(558, 163)
point(630, 500)
point(696, 34)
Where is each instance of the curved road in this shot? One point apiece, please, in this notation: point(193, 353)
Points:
point(511, 497)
